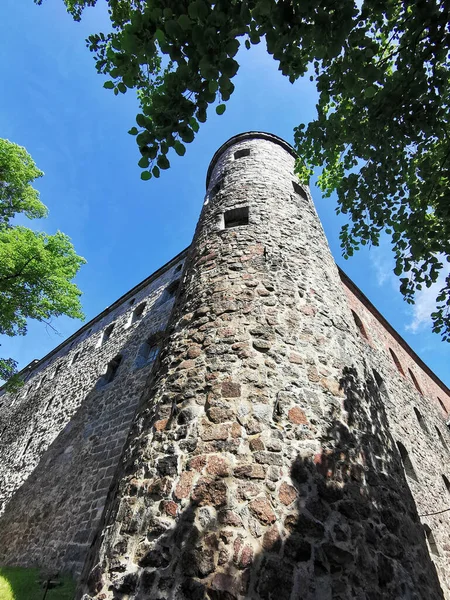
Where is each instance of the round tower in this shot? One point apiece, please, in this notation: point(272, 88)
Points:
point(261, 464)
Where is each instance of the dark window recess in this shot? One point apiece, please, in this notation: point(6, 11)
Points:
point(49, 403)
point(138, 312)
point(431, 541)
point(441, 437)
point(446, 483)
point(76, 356)
point(111, 371)
point(179, 267)
point(407, 464)
point(236, 217)
point(299, 190)
point(396, 361)
point(359, 324)
point(241, 153)
point(421, 420)
point(380, 383)
point(30, 439)
point(415, 382)
point(132, 301)
point(107, 333)
point(172, 289)
point(442, 405)
point(216, 189)
point(147, 352)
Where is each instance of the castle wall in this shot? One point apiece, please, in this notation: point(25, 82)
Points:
point(264, 460)
point(62, 435)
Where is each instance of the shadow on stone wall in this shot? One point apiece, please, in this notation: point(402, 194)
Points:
point(353, 531)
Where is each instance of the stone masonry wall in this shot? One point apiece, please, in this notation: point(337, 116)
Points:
point(264, 460)
point(62, 435)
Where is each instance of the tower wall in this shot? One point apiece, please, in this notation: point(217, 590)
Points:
point(262, 463)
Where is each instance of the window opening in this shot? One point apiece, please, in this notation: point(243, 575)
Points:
point(179, 267)
point(299, 190)
point(57, 370)
point(132, 301)
point(147, 353)
point(236, 217)
point(49, 403)
point(172, 289)
point(24, 451)
point(359, 324)
point(41, 382)
point(107, 334)
point(446, 483)
point(396, 361)
point(421, 420)
point(241, 153)
point(415, 382)
point(137, 313)
point(380, 382)
point(111, 370)
point(76, 356)
point(407, 464)
point(441, 437)
point(431, 541)
point(442, 405)
point(216, 189)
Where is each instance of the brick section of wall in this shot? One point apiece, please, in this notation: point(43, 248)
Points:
point(63, 434)
point(263, 462)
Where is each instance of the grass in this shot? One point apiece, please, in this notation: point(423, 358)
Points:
point(17, 583)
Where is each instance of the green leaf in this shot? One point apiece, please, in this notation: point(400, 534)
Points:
point(109, 85)
point(213, 86)
point(133, 131)
point(144, 162)
point(146, 175)
point(232, 47)
point(163, 162)
point(370, 92)
point(141, 120)
point(184, 22)
point(160, 36)
point(220, 109)
point(156, 172)
point(179, 148)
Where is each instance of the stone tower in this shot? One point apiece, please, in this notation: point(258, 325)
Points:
point(264, 461)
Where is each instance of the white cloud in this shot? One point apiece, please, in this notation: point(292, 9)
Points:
point(426, 303)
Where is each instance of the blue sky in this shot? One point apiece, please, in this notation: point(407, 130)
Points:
point(53, 103)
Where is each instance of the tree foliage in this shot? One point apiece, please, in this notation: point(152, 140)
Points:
point(36, 269)
point(381, 135)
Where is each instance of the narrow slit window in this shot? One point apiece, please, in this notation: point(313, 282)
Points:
point(111, 370)
point(172, 289)
point(441, 437)
point(421, 420)
point(107, 334)
point(132, 301)
point(431, 541)
point(137, 313)
point(396, 362)
point(76, 356)
point(236, 217)
point(442, 405)
point(57, 370)
point(415, 382)
point(446, 483)
point(359, 324)
point(241, 153)
point(179, 267)
point(407, 464)
point(380, 382)
point(299, 190)
point(49, 403)
point(216, 189)
point(24, 451)
point(41, 382)
point(147, 353)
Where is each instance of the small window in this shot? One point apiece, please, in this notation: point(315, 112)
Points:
point(106, 334)
point(49, 403)
point(147, 353)
point(298, 189)
point(442, 405)
point(172, 289)
point(396, 362)
point(380, 382)
point(431, 541)
point(407, 464)
point(421, 420)
point(111, 371)
point(446, 483)
point(179, 267)
point(57, 370)
point(241, 153)
point(216, 189)
point(360, 325)
point(415, 382)
point(76, 356)
point(24, 451)
point(441, 437)
point(236, 217)
point(41, 382)
point(137, 313)
point(132, 301)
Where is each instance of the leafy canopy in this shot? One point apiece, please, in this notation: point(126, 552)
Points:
point(381, 136)
point(36, 269)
